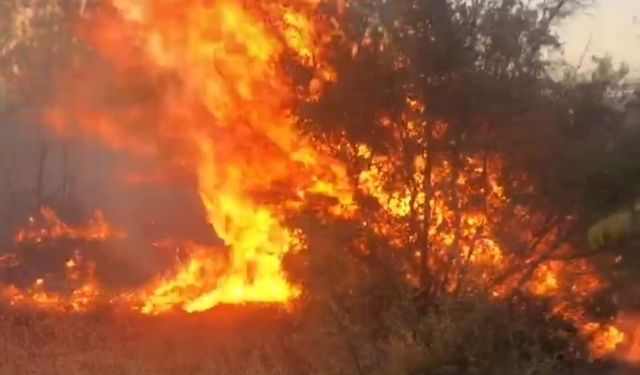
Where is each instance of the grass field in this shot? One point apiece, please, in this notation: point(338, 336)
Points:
point(242, 341)
point(233, 340)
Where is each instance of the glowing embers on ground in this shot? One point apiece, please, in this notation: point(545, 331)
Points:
point(205, 278)
point(44, 235)
point(82, 291)
point(630, 352)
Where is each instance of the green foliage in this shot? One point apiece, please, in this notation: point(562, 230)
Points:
point(610, 230)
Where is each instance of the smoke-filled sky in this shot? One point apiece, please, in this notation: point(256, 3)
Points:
point(614, 27)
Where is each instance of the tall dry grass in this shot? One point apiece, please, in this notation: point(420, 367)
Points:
point(462, 338)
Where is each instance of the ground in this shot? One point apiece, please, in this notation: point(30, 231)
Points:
point(229, 340)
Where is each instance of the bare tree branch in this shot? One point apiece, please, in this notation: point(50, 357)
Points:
point(42, 160)
point(584, 52)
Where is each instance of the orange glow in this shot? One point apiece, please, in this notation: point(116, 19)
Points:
point(605, 338)
point(469, 239)
point(49, 227)
point(82, 298)
point(200, 87)
point(630, 350)
point(225, 118)
point(545, 281)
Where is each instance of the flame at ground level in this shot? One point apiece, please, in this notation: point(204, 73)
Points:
point(214, 105)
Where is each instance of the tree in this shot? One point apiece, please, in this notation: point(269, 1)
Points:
point(36, 40)
point(443, 93)
point(476, 166)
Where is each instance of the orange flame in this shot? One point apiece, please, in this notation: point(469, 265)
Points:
point(82, 298)
point(52, 228)
point(217, 105)
point(225, 118)
point(468, 239)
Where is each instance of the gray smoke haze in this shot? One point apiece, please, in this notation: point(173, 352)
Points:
point(80, 176)
point(76, 175)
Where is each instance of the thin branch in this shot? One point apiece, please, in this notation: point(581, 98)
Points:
point(554, 12)
point(63, 192)
point(550, 223)
point(83, 6)
point(42, 160)
point(584, 52)
point(6, 177)
point(546, 256)
point(582, 255)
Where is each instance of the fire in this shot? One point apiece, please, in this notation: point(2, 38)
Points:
point(467, 242)
point(546, 281)
point(200, 88)
point(49, 227)
point(79, 275)
point(225, 119)
point(245, 97)
point(606, 339)
point(632, 325)
point(80, 300)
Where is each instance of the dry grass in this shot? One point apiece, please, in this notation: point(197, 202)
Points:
point(113, 344)
point(263, 340)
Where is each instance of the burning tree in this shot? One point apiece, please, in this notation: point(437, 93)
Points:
point(466, 152)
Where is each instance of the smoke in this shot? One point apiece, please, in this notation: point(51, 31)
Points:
point(66, 169)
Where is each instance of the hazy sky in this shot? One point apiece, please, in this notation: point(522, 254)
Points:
point(611, 24)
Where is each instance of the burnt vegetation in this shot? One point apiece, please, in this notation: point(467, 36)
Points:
point(478, 164)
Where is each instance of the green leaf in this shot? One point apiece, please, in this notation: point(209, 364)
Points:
point(610, 230)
